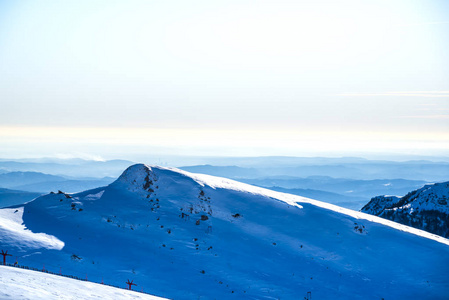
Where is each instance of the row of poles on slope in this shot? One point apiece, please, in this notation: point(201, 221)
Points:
point(5, 254)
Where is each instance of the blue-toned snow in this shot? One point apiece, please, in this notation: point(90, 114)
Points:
point(183, 236)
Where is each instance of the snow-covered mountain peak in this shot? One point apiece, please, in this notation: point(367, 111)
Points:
point(145, 179)
point(426, 208)
point(183, 235)
point(136, 177)
point(379, 203)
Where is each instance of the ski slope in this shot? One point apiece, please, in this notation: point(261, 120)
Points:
point(25, 284)
point(183, 236)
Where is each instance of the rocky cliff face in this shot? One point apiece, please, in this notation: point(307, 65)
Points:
point(426, 208)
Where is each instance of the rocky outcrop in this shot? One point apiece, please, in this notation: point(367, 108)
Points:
point(426, 208)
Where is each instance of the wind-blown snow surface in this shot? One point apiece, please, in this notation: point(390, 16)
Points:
point(181, 235)
point(25, 284)
point(14, 232)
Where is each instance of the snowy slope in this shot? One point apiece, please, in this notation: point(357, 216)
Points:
point(183, 236)
point(426, 208)
point(25, 284)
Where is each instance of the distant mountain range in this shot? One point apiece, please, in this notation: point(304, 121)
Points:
point(426, 208)
point(66, 168)
point(345, 192)
point(351, 202)
point(13, 197)
point(353, 168)
point(45, 183)
point(348, 182)
point(342, 186)
point(249, 167)
point(187, 236)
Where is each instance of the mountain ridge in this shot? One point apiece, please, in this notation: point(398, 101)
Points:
point(425, 208)
point(184, 235)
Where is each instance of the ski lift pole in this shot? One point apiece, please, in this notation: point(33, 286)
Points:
point(130, 284)
point(5, 254)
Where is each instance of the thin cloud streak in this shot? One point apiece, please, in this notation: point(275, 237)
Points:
point(424, 23)
point(432, 94)
point(426, 117)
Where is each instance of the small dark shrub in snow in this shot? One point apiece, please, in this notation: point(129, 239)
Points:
point(75, 257)
point(359, 228)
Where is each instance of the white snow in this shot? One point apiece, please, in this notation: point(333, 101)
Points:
point(18, 283)
point(92, 197)
point(12, 230)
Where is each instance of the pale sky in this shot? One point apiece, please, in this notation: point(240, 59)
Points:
point(302, 78)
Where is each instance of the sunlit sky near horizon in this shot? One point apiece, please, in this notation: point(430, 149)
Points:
point(127, 79)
